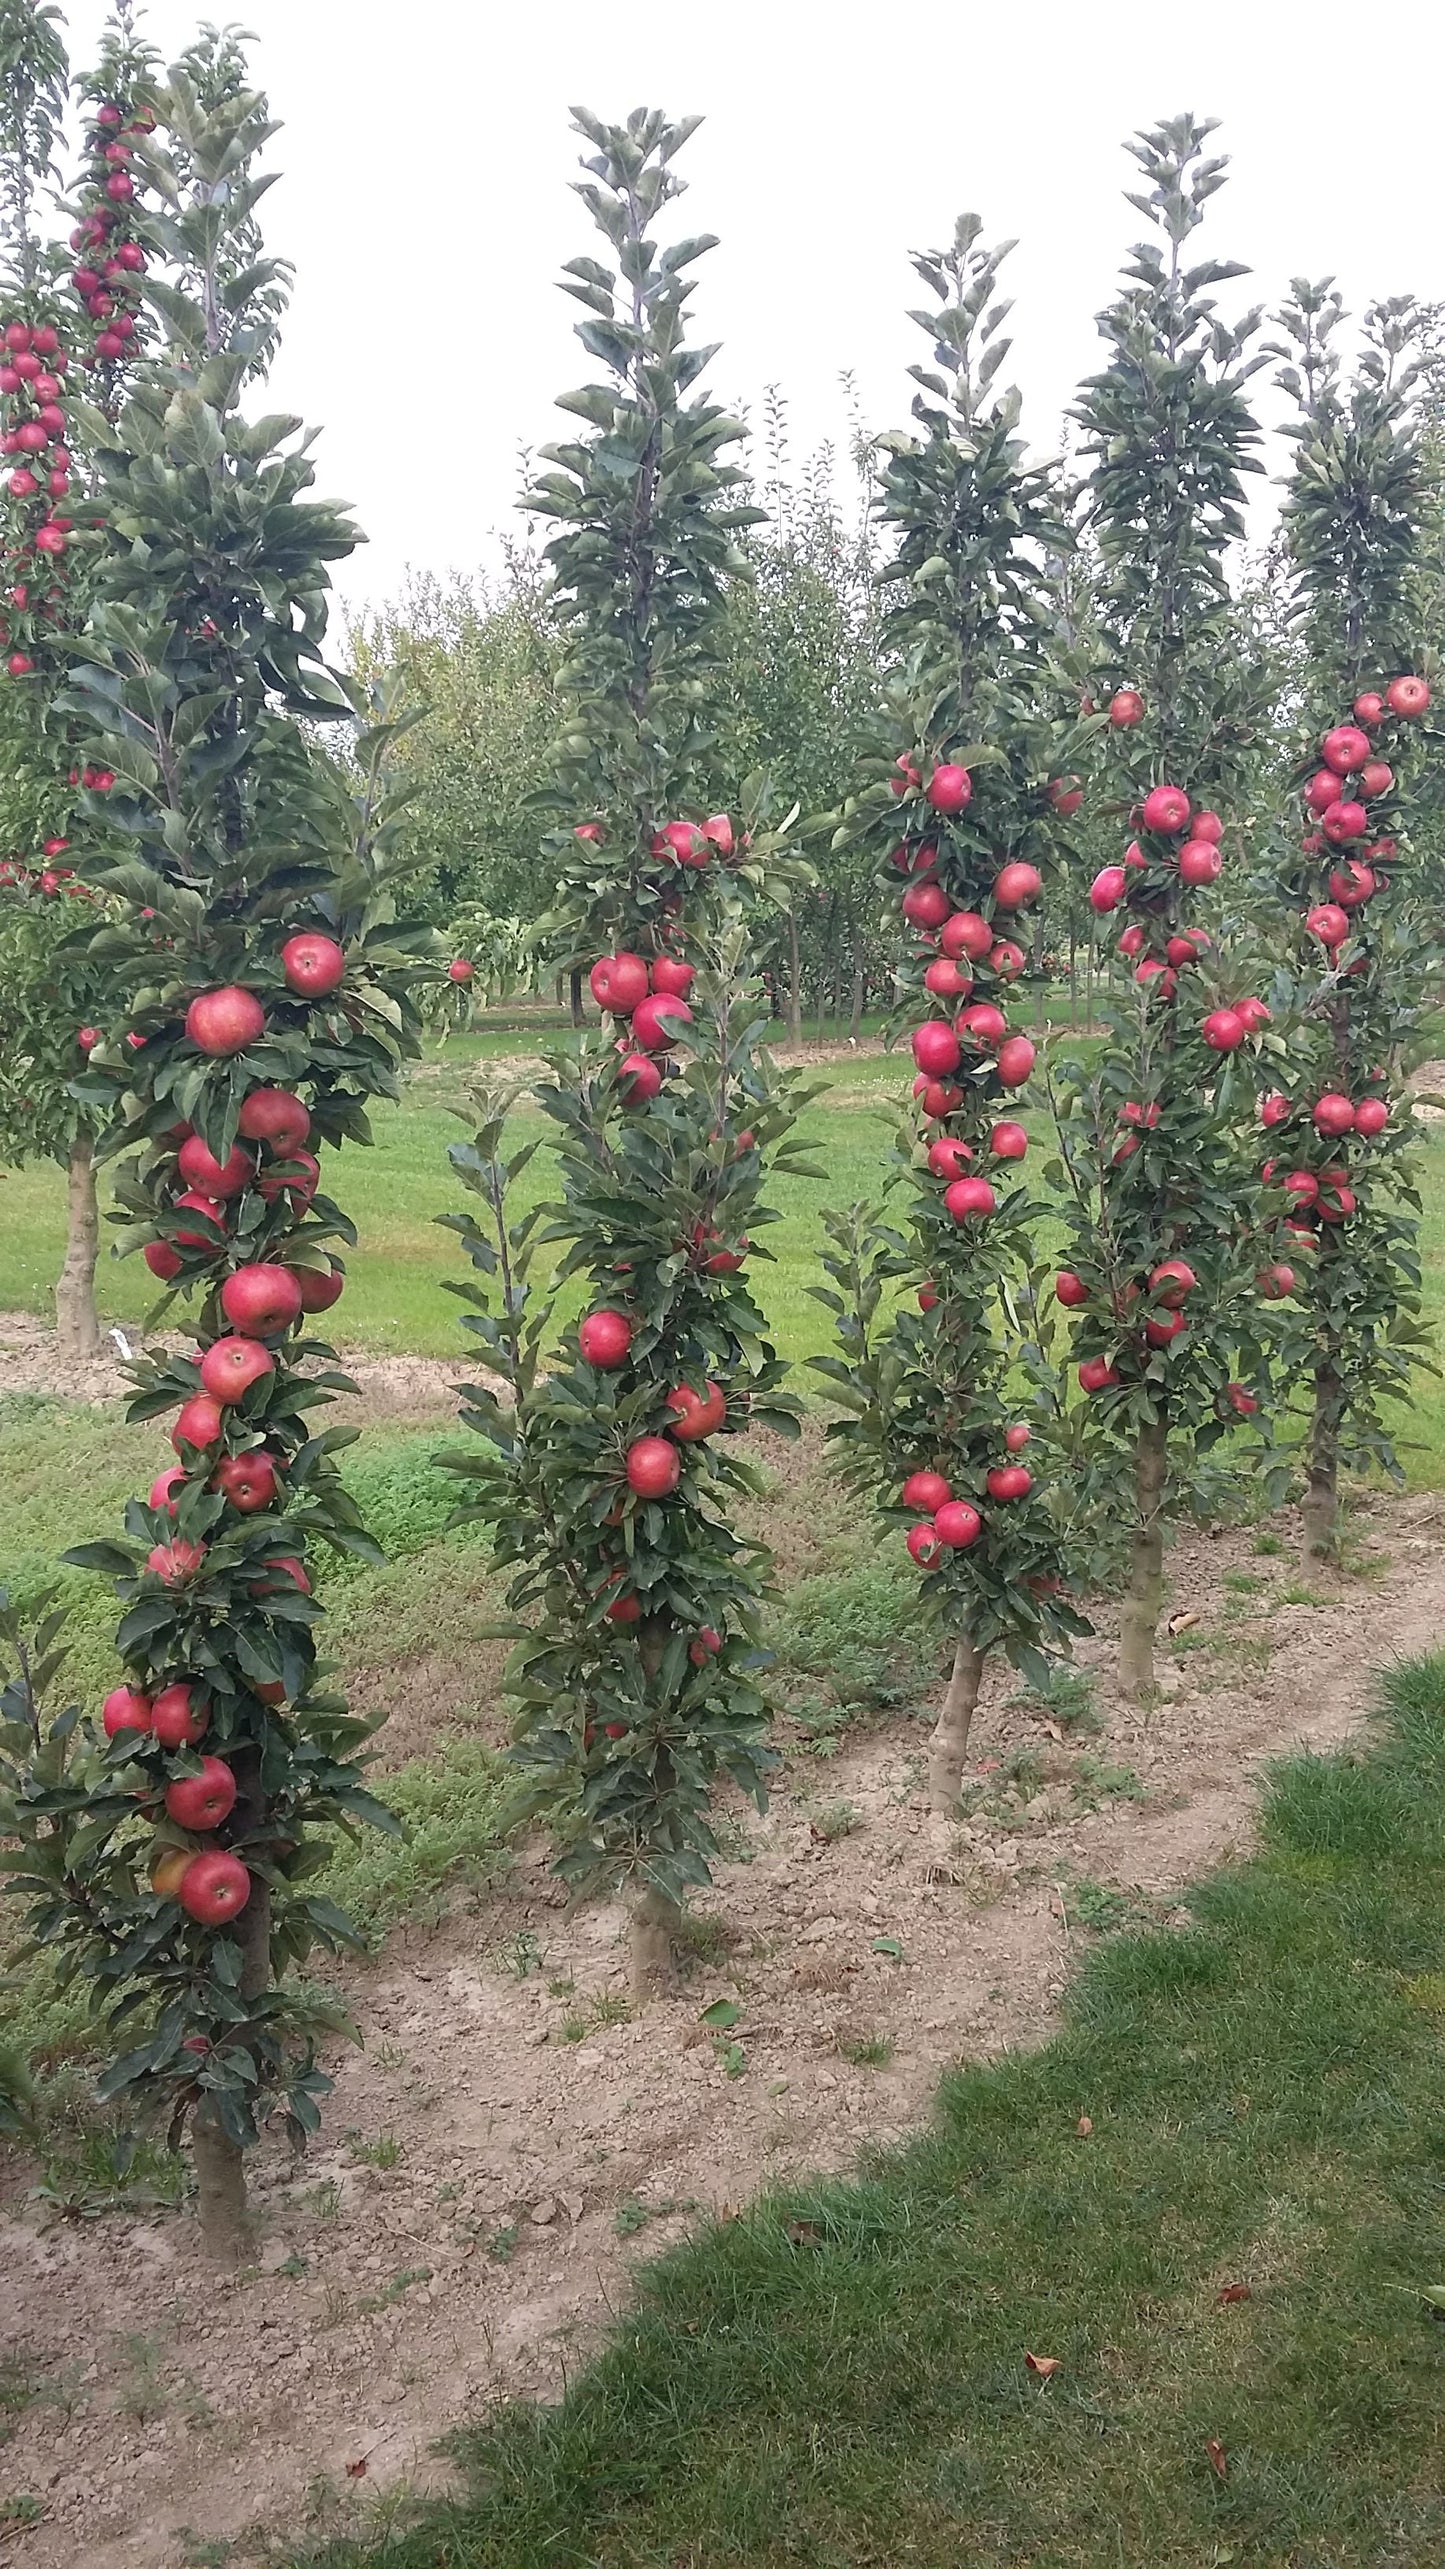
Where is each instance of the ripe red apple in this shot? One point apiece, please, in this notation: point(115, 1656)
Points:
point(1199, 863)
point(1006, 959)
point(1324, 789)
point(927, 1298)
point(684, 842)
point(1008, 1141)
point(1207, 825)
point(1276, 1283)
point(1066, 794)
point(950, 789)
point(248, 1480)
point(694, 1415)
point(936, 1047)
point(625, 1608)
point(604, 1339)
point(985, 1023)
point(618, 981)
point(925, 1490)
point(232, 1365)
point(1335, 1200)
point(282, 1571)
point(1017, 1437)
point(718, 831)
point(319, 1288)
point(1164, 1327)
point(638, 1079)
point(949, 1157)
point(1172, 1279)
point(670, 973)
point(1131, 939)
point(1166, 810)
point(259, 1300)
point(1345, 822)
point(161, 1259)
point(221, 1022)
point(1345, 748)
point(1334, 1113)
point(1329, 923)
point(125, 1709)
point(1015, 885)
point(958, 1525)
point(161, 1493)
point(1408, 697)
point(654, 1020)
point(1009, 1481)
point(1302, 1185)
point(1252, 1014)
point(198, 1422)
point(1126, 709)
point(1274, 1109)
point(1371, 1116)
point(201, 1169)
point(704, 1645)
point(1242, 1402)
point(1352, 884)
point(176, 1718)
point(299, 1177)
point(923, 1543)
point(1376, 777)
point(906, 779)
point(1096, 1374)
point(214, 1887)
point(175, 1562)
point(654, 1467)
point(1108, 888)
point(939, 1097)
point(970, 1199)
point(966, 933)
point(460, 970)
point(1015, 1060)
point(925, 905)
point(314, 965)
point(947, 980)
point(1224, 1030)
point(1369, 710)
point(273, 1115)
point(1070, 1289)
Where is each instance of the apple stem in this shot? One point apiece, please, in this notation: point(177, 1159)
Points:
point(652, 1944)
point(948, 1749)
point(1139, 1618)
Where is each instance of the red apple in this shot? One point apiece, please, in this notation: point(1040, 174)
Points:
point(654, 1019)
point(925, 1490)
point(1070, 1289)
point(1199, 863)
point(654, 1467)
point(966, 933)
point(1371, 1116)
point(1252, 1014)
point(1224, 1030)
point(259, 1300)
point(1108, 888)
point(161, 1493)
point(718, 830)
point(950, 789)
point(638, 1079)
point(1007, 959)
point(1015, 1060)
point(927, 1298)
point(282, 1571)
point(193, 1202)
point(1017, 1437)
point(936, 1047)
point(987, 1024)
point(1126, 709)
point(1323, 790)
point(948, 1157)
point(198, 1422)
point(248, 1480)
point(1335, 1200)
point(314, 965)
point(125, 1709)
point(1172, 1279)
point(1352, 884)
point(1274, 1109)
point(460, 970)
point(201, 1169)
point(1009, 1481)
point(923, 1543)
point(232, 1365)
point(704, 1645)
point(1333, 1113)
point(273, 1115)
point(907, 778)
point(214, 1887)
point(1376, 777)
point(177, 1720)
point(221, 1022)
point(299, 1177)
point(161, 1259)
point(618, 981)
point(1015, 885)
point(1345, 822)
point(1164, 1327)
point(1207, 825)
point(970, 1199)
point(693, 1416)
point(319, 1287)
point(925, 905)
point(1276, 1283)
point(947, 980)
point(958, 1525)
point(1369, 710)
point(1345, 748)
point(1241, 1401)
point(1166, 810)
point(1008, 1141)
point(1302, 1185)
point(671, 974)
point(1329, 923)
point(1407, 697)
point(1096, 1374)
point(940, 1097)
point(604, 1339)
point(1066, 794)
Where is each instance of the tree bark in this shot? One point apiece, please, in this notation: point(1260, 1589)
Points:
point(76, 1327)
point(1139, 1620)
point(1073, 975)
point(855, 1011)
point(1321, 1506)
point(574, 997)
point(652, 1944)
point(795, 991)
point(948, 1748)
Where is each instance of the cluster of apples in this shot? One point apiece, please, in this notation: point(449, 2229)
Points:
point(110, 259)
point(652, 1464)
point(652, 999)
point(50, 880)
point(1185, 847)
point(1320, 1195)
point(1163, 1320)
point(948, 1524)
point(33, 366)
point(1350, 779)
point(210, 1882)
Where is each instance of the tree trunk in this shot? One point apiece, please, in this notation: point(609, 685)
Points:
point(855, 1009)
point(652, 1944)
point(1321, 1506)
point(574, 997)
point(76, 1326)
point(948, 1749)
point(220, 2162)
point(1140, 1617)
point(1073, 975)
point(795, 993)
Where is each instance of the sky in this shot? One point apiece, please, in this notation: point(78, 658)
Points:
point(427, 153)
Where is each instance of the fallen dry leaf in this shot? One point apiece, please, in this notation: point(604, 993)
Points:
point(1084, 2126)
point(1218, 2458)
point(1235, 2292)
point(1181, 1623)
point(1043, 2365)
point(357, 2470)
point(1052, 1731)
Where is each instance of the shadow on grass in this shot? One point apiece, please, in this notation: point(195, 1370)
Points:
point(840, 2376)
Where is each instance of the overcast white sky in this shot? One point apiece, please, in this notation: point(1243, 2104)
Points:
point(425, 197)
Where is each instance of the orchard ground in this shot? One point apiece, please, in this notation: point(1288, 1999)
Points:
point(512, 2138)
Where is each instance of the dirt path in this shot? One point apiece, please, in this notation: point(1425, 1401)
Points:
point(511, 2139)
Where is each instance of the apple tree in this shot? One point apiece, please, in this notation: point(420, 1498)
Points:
point(1365, 935)
point(958, 807)
point(271, 996)
point(1172, 1335)
point(613, 1458)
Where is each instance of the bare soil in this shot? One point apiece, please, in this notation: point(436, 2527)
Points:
point(512, 2138)
point(390, 1387)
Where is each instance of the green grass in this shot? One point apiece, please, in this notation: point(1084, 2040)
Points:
point(838, 2381)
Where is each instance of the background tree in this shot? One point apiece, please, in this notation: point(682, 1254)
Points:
point(1161, 1196)
point(1366, 944)
point(957, 812)
point(636, 1667)
point(270, 992)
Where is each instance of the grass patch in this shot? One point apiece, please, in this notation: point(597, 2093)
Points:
point(839, 2377)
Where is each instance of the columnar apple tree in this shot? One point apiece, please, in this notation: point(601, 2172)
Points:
point(960, 805)
point(56, 999)
point(270, 998)
point(1366, 941)
point(613, 1459)
point(1169, 1338)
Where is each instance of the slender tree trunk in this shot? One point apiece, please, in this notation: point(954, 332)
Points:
point(795, 995)
point(1321, 1509)
point(76, 1326)
point(855, 1009)
point(1139, 1620)
point(1089, 983)
point(1073, 975)
point(948, 1749)
point(652, 1944)
point(574, 997)
point(219, 2161)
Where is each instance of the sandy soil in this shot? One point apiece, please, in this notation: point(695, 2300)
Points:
point(535, 2137)
point(390, 1387)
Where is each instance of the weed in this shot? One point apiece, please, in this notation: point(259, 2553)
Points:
point(523, 1954)
point(560, 1988)
point(1065, 1696)
point(835, 1820)
point(1099, 1779)
point(104, 2170)
point(324, 2200)
point(609, 2007)
point(20, 2511)
point(386, 2151)
point(293, 2267)
point(389, 2057)
point(630, 2217)
point(143, 2395)
point(1299, 1593)
point(1243, 1583)
point(705, 1936)
point(1269, 1546)
point(503, 2243)
point(866, 2051)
